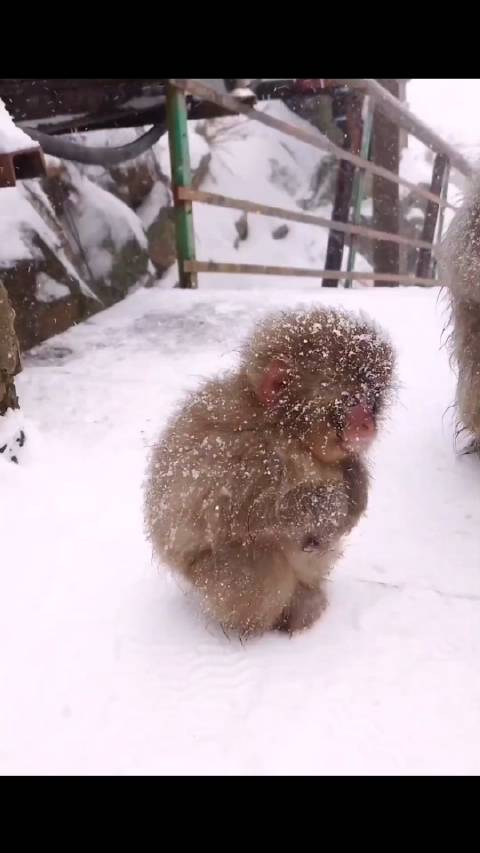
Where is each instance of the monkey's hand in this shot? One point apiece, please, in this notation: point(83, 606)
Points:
point(315, 514)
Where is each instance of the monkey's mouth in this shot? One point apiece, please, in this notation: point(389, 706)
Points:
point(357, 443)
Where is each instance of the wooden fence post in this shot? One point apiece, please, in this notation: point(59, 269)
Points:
point(348, 103)
point(386, 197)
point(440, 167)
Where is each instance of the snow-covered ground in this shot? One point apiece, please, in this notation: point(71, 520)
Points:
point(106, 666)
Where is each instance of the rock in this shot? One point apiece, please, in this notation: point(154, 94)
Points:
point(161, 240)
point(280, 232)
point(241, 227)
point(107, 237)
point(38, 319)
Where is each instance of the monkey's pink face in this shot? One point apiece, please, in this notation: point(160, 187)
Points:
point(351, 435)
point(334, 422)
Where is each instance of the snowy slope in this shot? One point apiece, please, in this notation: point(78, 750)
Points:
point(107, 667)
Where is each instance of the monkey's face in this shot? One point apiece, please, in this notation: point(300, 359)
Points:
point(328, 388)
point(336, 416)
point(342, 426)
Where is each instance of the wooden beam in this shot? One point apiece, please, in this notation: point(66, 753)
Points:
point(300, 272)
point(440, 166)
point(350, 106)
point(386, 196)
point(254, 207)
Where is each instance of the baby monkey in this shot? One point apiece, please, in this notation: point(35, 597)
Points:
point(261, 473)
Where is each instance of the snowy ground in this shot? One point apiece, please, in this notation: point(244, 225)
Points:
point(107, 667)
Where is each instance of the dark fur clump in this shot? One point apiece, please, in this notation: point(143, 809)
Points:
point(459, 267)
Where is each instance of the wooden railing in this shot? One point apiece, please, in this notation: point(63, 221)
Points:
point(185, 195)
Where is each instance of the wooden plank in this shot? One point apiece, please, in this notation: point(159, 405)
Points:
point(300, 272)
point(444, 193)
point(292, 215)
point(431, 215)
point(320, 142)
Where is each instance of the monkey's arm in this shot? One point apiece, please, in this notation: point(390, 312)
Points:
point(315, 513)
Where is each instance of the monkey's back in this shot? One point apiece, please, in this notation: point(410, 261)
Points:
point(459, 264)
point(205, 472)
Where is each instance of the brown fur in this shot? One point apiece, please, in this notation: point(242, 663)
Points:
point(249, 501)
point(459, 266)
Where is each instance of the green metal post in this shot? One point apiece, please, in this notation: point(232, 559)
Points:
point(181, 177)
point(359, 185)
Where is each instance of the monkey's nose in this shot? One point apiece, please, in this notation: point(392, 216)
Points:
point(360, 427)
point(310, 544)
point(361, 417)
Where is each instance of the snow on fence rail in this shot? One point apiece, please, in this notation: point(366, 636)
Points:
point(184, 195)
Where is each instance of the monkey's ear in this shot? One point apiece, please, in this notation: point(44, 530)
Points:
point(272, 382)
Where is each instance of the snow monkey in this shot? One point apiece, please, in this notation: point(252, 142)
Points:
point(459, 267)
point(261, 472)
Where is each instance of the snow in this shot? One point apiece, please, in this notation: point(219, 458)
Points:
point(254, 162)
point(450, 108)
point(19, 220)
point(48, 290)
point(114, 220)
point(16, 215)
point(101, 219)
point(158, 197)
point(12, 138)
point(107, 667)
point(242, 92)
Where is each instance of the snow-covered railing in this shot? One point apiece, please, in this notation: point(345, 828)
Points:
point(184, 195)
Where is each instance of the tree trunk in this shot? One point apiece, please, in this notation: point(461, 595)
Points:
point(9, 354)
point(386, 199)
point(347, 107)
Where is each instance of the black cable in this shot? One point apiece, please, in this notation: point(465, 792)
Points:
point(97, 156)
